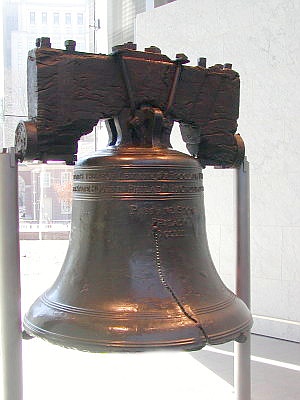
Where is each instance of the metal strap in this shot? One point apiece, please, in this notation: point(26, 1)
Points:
point(127, 82)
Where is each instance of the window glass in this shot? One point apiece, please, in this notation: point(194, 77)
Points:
point(44, 18)
point(65, 177)
point(68, 18)
point(65, 207)
point(56, 18)
point(46, 179)
point(32, 17)
point(80, 19)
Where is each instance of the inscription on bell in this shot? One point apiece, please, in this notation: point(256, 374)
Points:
point(171, 221)
point(137, 181)
point(128, 174)
point(180, 211)
point(124, 188)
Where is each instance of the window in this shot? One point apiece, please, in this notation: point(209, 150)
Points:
point(32, 17)
point(44, 17)
point(21, 193)
point(56, 18)
point(68, 18)
point(80, 19)
point(45, 179)
point(65, 177)
point(65, 207)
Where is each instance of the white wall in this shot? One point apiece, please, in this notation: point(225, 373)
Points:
point(261, 40)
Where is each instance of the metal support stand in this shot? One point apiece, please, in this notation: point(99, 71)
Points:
point(10, 288)
point(242, 351)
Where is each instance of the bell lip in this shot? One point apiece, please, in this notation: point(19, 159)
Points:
point(191, 337)
point(229, 335)
point(108, 346)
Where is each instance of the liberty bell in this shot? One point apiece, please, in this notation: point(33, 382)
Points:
point(138, 274)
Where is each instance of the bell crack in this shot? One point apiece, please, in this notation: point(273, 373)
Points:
point(168, 287)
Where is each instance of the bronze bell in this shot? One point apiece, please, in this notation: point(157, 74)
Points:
point(138, 274)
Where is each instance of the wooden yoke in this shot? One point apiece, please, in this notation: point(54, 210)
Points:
point(70, 91)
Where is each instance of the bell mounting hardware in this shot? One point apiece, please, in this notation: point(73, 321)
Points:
point(70, 91)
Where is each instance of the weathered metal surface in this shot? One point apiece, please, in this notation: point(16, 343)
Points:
point(69, 92)
point(138, 273)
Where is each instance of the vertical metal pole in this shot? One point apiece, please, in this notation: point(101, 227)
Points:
point(10, 288)
point(242, 351)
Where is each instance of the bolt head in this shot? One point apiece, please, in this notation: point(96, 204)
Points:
point(153, 49)
point(202, 62)
point(124, 46)
point(45, 42)
point(182, 58)
point(70, 45)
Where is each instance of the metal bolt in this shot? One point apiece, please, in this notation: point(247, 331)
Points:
point(218, 66)
point(182, 58)
point(153, 49)
point(130, 46)
point(201, 62)
point(70, 45)
point(45, 42)
point(125, 46)
point(228, 65)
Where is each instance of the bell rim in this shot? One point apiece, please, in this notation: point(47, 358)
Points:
point(109, 346)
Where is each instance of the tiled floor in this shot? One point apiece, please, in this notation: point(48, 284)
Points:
point(275, 367)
